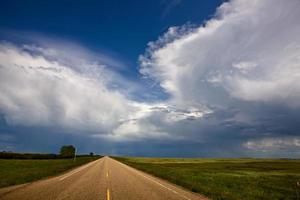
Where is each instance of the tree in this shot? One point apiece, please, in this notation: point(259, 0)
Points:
point(67, 151)
point(91, 154)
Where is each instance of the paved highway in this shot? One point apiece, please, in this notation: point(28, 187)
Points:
point(103, 179)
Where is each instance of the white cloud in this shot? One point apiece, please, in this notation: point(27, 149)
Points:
point(41, 88)
point(42, 91)
point(152, 120)
point(37, 91)
point(250, 50)
point(274, 144)
point(243, 66)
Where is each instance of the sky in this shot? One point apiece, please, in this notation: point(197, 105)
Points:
point(169, 78)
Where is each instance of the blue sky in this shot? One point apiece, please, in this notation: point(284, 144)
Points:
point(120, 28)
point(151, 78)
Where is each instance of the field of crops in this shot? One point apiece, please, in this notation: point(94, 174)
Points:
point(247, 179)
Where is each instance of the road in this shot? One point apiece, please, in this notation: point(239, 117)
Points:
point(103, 179)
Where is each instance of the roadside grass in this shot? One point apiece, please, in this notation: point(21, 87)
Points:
point(17, 171)
point(227, 179)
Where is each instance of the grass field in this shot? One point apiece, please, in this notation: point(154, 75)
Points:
point(14, 171)
point(247, 179)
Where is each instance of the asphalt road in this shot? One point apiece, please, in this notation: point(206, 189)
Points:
point(103, 179)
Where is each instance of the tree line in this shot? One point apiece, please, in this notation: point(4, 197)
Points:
point(67, 151)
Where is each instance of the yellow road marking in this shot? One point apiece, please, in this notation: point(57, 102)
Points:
point(107, 194)
point(107, 191)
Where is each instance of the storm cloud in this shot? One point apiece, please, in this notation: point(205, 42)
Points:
point(243, 65)
point(232, 85)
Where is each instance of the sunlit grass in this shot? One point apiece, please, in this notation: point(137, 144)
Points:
point(247, 179)
point(15, 171)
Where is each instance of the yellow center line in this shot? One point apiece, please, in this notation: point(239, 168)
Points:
point(107, 191)
point(107, 194)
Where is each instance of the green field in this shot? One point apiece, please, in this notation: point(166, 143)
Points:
point(227, 178)
point(15, 171)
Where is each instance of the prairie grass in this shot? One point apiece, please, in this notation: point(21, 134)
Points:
point(18, 171)
point(227, 179)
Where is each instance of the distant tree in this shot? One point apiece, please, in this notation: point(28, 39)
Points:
point(67, 151)
point(91, 154)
